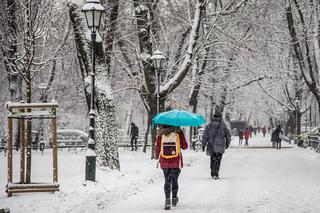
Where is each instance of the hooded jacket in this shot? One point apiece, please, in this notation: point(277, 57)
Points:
point(172, 162)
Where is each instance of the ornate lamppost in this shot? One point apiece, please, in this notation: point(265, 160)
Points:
point(93, 11)
point(158, 61)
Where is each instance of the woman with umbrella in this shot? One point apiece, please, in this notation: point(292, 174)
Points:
point(169, 141)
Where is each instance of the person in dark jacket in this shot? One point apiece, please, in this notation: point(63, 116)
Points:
point(134, 133)
point(216, 138)
point(171, 167)
point(240, 133)
point(277, 136)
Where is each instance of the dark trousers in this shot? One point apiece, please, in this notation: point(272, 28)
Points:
point(215, 161)
point(278, 144)
point(171, 176)
point(240, 141)
point(246, 143)
point(134, 140)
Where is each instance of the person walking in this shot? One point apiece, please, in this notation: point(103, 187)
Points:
point(246, 135)
point(216, 138)
point(277, 136)
point(240, 133)
point(134, 133)
point(250, 130)
point(264, 131)
point(170, 141)
point(273, 140)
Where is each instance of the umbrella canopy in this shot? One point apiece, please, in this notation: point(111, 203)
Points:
point(178, 118)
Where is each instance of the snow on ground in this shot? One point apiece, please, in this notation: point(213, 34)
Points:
point(253, 179)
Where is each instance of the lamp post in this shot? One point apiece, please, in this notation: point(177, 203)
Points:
point(42, 87)
point(284, 111)
point(93, 11)
point(297, 102)
point(158, 60)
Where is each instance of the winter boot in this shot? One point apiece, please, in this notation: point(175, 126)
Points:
point(175, 200)
point(167, 204)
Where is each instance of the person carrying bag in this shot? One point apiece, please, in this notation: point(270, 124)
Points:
point(216, 138)
point(170, 141)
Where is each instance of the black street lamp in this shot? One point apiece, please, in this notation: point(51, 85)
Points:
point(297, 102)
point(43, 87)
point(93, 11)
point(158, 61)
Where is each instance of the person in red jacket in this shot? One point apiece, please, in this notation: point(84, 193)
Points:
point(171, 167)
point(246, 135)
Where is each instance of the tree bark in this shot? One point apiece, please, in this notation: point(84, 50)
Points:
point(111, 23)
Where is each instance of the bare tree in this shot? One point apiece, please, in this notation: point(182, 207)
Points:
point(27, 48)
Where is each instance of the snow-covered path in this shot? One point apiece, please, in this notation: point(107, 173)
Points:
point(253, 179)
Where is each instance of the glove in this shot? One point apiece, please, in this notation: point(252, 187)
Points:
point(203, 148)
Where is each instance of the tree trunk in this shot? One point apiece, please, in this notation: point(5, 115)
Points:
point(9, 50)
point(106, 134)
point(146, 138)
point(222, 102)
point(29, 55)
point(111, 23)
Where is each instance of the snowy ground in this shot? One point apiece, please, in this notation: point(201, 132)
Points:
point(253, 179)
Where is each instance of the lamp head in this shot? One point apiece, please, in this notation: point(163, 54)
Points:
point(93, 11)
point(158, 60)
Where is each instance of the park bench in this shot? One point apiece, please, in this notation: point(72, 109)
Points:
point(313, 142)
point(71, 144)
point(125, 142)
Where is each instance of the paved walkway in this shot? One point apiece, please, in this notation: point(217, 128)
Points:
point(253, 179)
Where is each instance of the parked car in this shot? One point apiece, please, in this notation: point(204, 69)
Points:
point(71, 137)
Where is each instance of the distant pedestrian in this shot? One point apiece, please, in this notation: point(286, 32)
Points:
point(216, 138)
point(170, 141)
point(250, 131)
point(255, 130)
point(134, 133)
point(273, 140)
point(240, 134)
point(269, 129)
point(277, 136)
point(264, 131)
point(246, 135)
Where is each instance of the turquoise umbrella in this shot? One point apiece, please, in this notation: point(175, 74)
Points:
point(178, 118)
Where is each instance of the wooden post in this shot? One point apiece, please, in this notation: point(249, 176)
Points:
point(24, 185)
point(29, 150)
point(54, 144)
point(22, 149)
point(9, 149)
